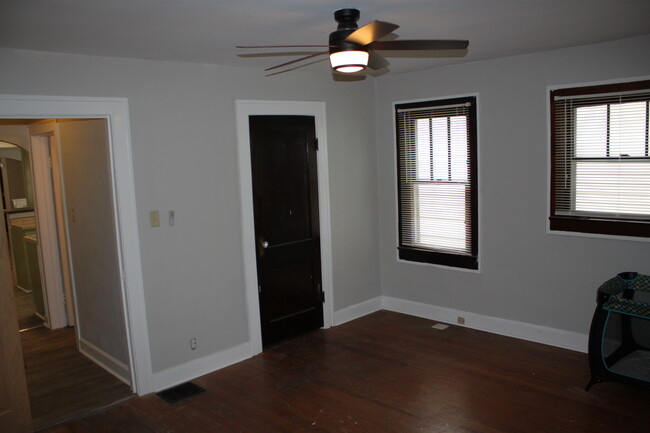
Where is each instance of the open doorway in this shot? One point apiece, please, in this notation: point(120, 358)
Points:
point(65, 233)
point(14, 404)
point(18, 222)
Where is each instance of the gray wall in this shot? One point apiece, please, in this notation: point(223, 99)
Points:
point(183, 135)
point(526, 274)
point(15, 134)
point(86, 170)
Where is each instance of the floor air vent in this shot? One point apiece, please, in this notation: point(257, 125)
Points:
point(180, 392)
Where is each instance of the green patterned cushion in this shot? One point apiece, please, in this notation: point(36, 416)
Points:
point(617, 303)
point(627, 306)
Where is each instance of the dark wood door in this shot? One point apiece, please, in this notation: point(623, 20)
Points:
point(285, 200)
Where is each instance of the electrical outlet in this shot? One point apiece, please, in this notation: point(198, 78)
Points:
point(154, 218)
point(193, 343)
point(460, 320)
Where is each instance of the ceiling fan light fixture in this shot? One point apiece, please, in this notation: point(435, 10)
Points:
point(349, 61)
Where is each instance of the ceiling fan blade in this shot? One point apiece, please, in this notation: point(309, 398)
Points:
point(371, 32)
point(295, 67)
point(420, 44)
point(376, 60)
point(296, 60)
point(284, 46)
point(285, 53)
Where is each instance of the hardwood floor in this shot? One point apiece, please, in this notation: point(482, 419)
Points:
point(389, 372)
point(62, 382)
point(27, 318)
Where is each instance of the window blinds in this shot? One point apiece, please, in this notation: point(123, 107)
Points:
point(601, 166)
point(435, 187)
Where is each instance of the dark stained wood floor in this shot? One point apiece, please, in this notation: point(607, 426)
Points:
point(391, 373)
point(62, 382)
point(27, 318)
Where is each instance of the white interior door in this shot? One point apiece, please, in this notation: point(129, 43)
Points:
point(41, 137)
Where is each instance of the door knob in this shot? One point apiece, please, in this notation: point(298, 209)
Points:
point(265, 244)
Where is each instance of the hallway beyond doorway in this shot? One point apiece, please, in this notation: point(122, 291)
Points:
point(64, 384)
point(27, 318)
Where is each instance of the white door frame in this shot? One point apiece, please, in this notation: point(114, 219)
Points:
point(116, 111)
point(245, 109)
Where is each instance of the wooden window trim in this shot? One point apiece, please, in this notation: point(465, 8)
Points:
point(430, 256)
point(593, 224)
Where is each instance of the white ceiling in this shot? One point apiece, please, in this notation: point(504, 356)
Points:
point(206, 31)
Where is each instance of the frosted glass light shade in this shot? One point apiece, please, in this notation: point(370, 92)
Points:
point(349, 61)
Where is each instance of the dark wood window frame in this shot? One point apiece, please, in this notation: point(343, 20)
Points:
point(593, 224)
point(432, 256)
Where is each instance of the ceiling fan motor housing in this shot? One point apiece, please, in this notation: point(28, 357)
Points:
point(347, 19)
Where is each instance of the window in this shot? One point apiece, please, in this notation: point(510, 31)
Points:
point(437, 182)
point(600, 167)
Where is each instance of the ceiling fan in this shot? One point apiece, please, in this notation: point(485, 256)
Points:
point(353, 49)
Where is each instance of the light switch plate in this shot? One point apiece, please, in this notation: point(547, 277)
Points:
point(154, 218)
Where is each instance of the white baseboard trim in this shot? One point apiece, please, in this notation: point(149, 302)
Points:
point(108, 362)
point(555, 337)
point(510, 328)
point(357, 310)
point(198, 367)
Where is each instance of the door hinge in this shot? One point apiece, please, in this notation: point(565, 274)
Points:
point(259, 288)
point(321, 293)
point(314, 144)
